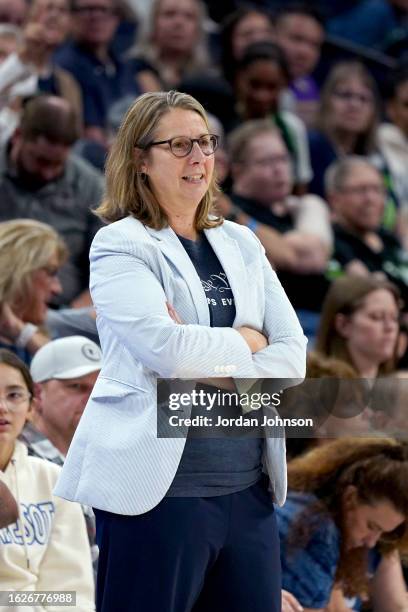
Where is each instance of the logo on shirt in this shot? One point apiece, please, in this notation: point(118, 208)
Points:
point(37, 524)
point(217, 284)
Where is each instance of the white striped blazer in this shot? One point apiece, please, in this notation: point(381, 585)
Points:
point(116, 462)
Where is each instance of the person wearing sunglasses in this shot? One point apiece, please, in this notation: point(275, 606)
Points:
point(179, 294)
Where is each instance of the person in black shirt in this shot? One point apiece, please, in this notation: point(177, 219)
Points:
point(356, 193)
point(262, 185)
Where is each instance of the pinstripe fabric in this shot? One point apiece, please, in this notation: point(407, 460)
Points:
point(116, 462)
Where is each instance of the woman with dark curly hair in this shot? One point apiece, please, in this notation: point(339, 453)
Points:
point(344, 524)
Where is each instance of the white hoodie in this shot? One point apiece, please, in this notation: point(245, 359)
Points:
point(52, 552)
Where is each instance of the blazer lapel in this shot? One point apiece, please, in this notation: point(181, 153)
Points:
point(173, 250)
point(230, 257)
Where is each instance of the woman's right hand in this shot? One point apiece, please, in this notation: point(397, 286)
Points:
point(254, 339)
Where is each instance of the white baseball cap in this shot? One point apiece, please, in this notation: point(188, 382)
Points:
point(69, 357)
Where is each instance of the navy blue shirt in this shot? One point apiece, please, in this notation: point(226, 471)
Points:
point(49, 85)
point(322, 154)
point(209, 466)
point(101, 84)
point(308, 571)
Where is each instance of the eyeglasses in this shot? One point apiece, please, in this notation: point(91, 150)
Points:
point(181, 146)
point(91, 9)
point(14, 399)
point(361, 190)
point(54, 8)
point(347, 96)
point(271, 160)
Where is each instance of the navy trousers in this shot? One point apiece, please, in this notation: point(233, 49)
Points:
point(192, 554)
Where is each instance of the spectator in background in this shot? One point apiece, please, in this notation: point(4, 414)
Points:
point(389, 404)
point(40, 179)
point(243, 27)
point(393, 143)
point(103, 77)
point(173, 45)
point(31, 254)
point(30, 68)
point(360, 323)
point(300, 33)
point(47, 548)
point(10, 38)
point(344, 524)
point(66, 370)
point(260, 78)
point(262, 186)
point(337, 404)
point(348, 119)
point(356, 193)
point(370, 22)
point(13, 12)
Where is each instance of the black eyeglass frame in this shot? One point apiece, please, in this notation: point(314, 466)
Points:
point(192, 141)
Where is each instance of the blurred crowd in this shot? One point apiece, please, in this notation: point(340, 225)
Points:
point(310, 104)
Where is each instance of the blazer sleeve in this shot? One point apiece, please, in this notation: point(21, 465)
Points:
point(131, 301)
point(285, 355)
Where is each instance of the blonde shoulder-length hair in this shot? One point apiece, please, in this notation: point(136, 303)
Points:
point(127, 188)
point(25, 246)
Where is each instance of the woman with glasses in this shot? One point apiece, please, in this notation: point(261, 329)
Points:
point(347, 120)
point(46, 548)
point(357, 197)
point(31, 253)
point(180, 294)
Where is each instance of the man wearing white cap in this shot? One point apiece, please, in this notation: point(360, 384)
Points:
point(66, 371)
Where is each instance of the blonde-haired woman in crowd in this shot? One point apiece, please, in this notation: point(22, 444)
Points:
point(348, 119)
point(31, 254)
point(173, 44)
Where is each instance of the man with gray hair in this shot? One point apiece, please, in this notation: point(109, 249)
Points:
point(65, 371)
point(357, 195)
